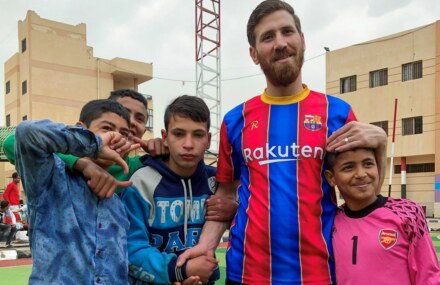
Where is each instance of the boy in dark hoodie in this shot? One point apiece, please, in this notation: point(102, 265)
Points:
point(166, 202)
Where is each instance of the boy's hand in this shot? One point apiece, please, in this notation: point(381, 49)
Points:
point(192, 280)
point(114, 146)
point(220, 209)
point(154, 147)
point(98, 179)
point(201, 266)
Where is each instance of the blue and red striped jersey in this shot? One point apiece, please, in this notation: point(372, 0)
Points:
point(275, 146)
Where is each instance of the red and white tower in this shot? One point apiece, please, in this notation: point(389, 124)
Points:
point(208, 62)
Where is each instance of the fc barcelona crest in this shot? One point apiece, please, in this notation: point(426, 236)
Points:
point(387, 238)
point(312, 122)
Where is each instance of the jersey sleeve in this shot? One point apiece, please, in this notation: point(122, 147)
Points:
point(8, 148)
point(422, 259)
point(146, 262)
point(227, 170)
point(68, 159)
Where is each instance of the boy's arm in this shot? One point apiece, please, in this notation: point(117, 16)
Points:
point(146, 262)
point(212, 231)
point(37, 141)
point(9, 151)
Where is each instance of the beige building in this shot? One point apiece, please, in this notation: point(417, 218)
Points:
point(406, 67)
point(54, 74)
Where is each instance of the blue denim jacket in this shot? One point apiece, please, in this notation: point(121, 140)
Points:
point(75, 237)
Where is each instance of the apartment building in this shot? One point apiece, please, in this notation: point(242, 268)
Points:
point(54, 73)
point(405, 67)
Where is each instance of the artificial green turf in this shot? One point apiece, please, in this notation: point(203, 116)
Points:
point(17, 275)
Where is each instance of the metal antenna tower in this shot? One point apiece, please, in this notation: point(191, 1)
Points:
point(208, 62)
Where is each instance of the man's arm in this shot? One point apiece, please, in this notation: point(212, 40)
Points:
point(356, 134)
point(212, 230)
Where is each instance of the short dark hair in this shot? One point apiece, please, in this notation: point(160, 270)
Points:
point(15, 175)
point(187, 106)
point(95, 108)
point(120, 93)
point(4, 204)
point(331, 157)
point(263, 9)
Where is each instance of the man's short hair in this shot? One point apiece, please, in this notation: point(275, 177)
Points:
point(190, 107)
point(96, 108)
point(120, 93)
point(263, 9)
point(15, 175)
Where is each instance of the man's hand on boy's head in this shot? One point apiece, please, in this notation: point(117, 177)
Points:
point(98, 179)
point(154, 147)
point(356, 134)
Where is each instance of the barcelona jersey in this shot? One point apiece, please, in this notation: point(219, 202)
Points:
point(275, 147)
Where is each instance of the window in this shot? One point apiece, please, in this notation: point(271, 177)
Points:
point(8, 120)
point(412, 70)
point(348, 84)
point(412, 126)
point(382, 124)
point(149, 125)
point(24, 118)
point(23, 45)
point(24, 87)
point(415, 168)
point(378, 78)
point(8, 87)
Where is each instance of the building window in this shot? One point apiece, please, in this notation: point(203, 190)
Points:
point(382, 124)
point(8, 120)
point(149, 124)
point(415, 168)
point(23, 45)
point(412, 70)
point(24, 118)
point(348, 84)
point(8, 87)
point(378, 78)
point(412, 126)
point(24, 87)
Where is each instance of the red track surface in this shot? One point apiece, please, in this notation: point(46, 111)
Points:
point(16, 262)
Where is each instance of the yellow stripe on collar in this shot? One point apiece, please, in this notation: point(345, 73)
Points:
point(285, 100)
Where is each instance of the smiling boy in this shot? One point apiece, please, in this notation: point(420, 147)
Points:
point(377, 240)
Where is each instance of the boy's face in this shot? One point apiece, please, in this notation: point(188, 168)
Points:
point(356, 175)
point(187, 141)
point(138, 115)
point(108, 122)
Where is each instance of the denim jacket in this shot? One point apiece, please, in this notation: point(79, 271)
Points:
point(75, 237)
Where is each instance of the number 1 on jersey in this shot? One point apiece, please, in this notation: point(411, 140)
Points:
point(354, 253)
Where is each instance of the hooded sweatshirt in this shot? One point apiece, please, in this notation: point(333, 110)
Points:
point(166, 213)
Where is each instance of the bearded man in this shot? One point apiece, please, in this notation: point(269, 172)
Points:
point(272, 149)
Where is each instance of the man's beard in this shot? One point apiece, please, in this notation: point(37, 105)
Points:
point(282, 74)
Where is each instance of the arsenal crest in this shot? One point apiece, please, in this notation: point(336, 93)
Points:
point(312, 122)
point(387, 238)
